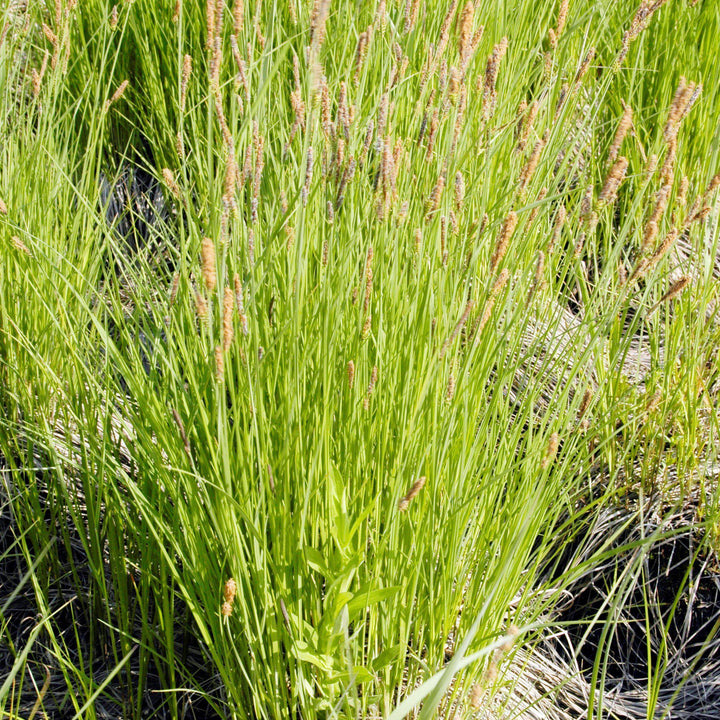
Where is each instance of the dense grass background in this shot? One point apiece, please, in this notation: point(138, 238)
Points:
point(410, 367)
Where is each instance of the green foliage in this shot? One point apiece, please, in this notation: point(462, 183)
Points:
point(372, 400)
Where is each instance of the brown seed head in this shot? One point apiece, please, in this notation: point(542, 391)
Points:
point(174, 288)
point(623, 126)
point(308, 175)
point(371, 387)
point(18, 244)
point(550, 450)
point(186, 72)
point(219, 363)
point(412, 8)
point(649, 235)
point(608, 194)
point(508, 228)
point(663, 248)
point(651, 166)
point(118, 93)
point(585, 403)
point(562, 17)
point(476, 696)
point(201, 307)
point(527, 124)
point(210, 20)
point(667, 172)
point(713, 185)
point(238, 17)
point(459, 190)
point(49, 34)
point(681, 198)
point(228, 329)
point(231, 172)
point(351, 374)
point(229, 591)
point(512, 633)
point(531, 165)
point(433, 202)
point(412, 493)
point(360, 52)
point(208, 264)
point(465, 35)
point(491, 73)
point(318, 19)
point(676, 288)
point(169, 179)
point(585, 66)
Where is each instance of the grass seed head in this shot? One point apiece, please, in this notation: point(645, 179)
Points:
point(240, 304)
point(663, 248)
point(608, 194)
point(229, 591)
point(667, 172)
point(412, 8)
point(238, 17)
point(318, 18)
point(585, 66)
point(676, 288)
point(622, 129)
point(681, 198)
point(18, 244)
point(476, 696)
point(491, 73)
point(649, 235)
point(174, 288)
point(412, 493)
point(169, 178)
point(37, 77)
point(360, 52)
point(210, 23)
point(308, 176)
point(201, 307)
point(512, 634)
point(209, 270)
point(550, 450)
point(501, 246)
point(560, 217)
point(433, 202)
point(466, 24)
point(228, 328)
point(219, 363)
point(585, 402)
point(459, 191)
point(562, 17)
point(530, 166)
point(186, 72)
point(371, 387)
point(117, 94)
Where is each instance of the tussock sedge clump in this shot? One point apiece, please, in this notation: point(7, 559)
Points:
point(431, 353)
